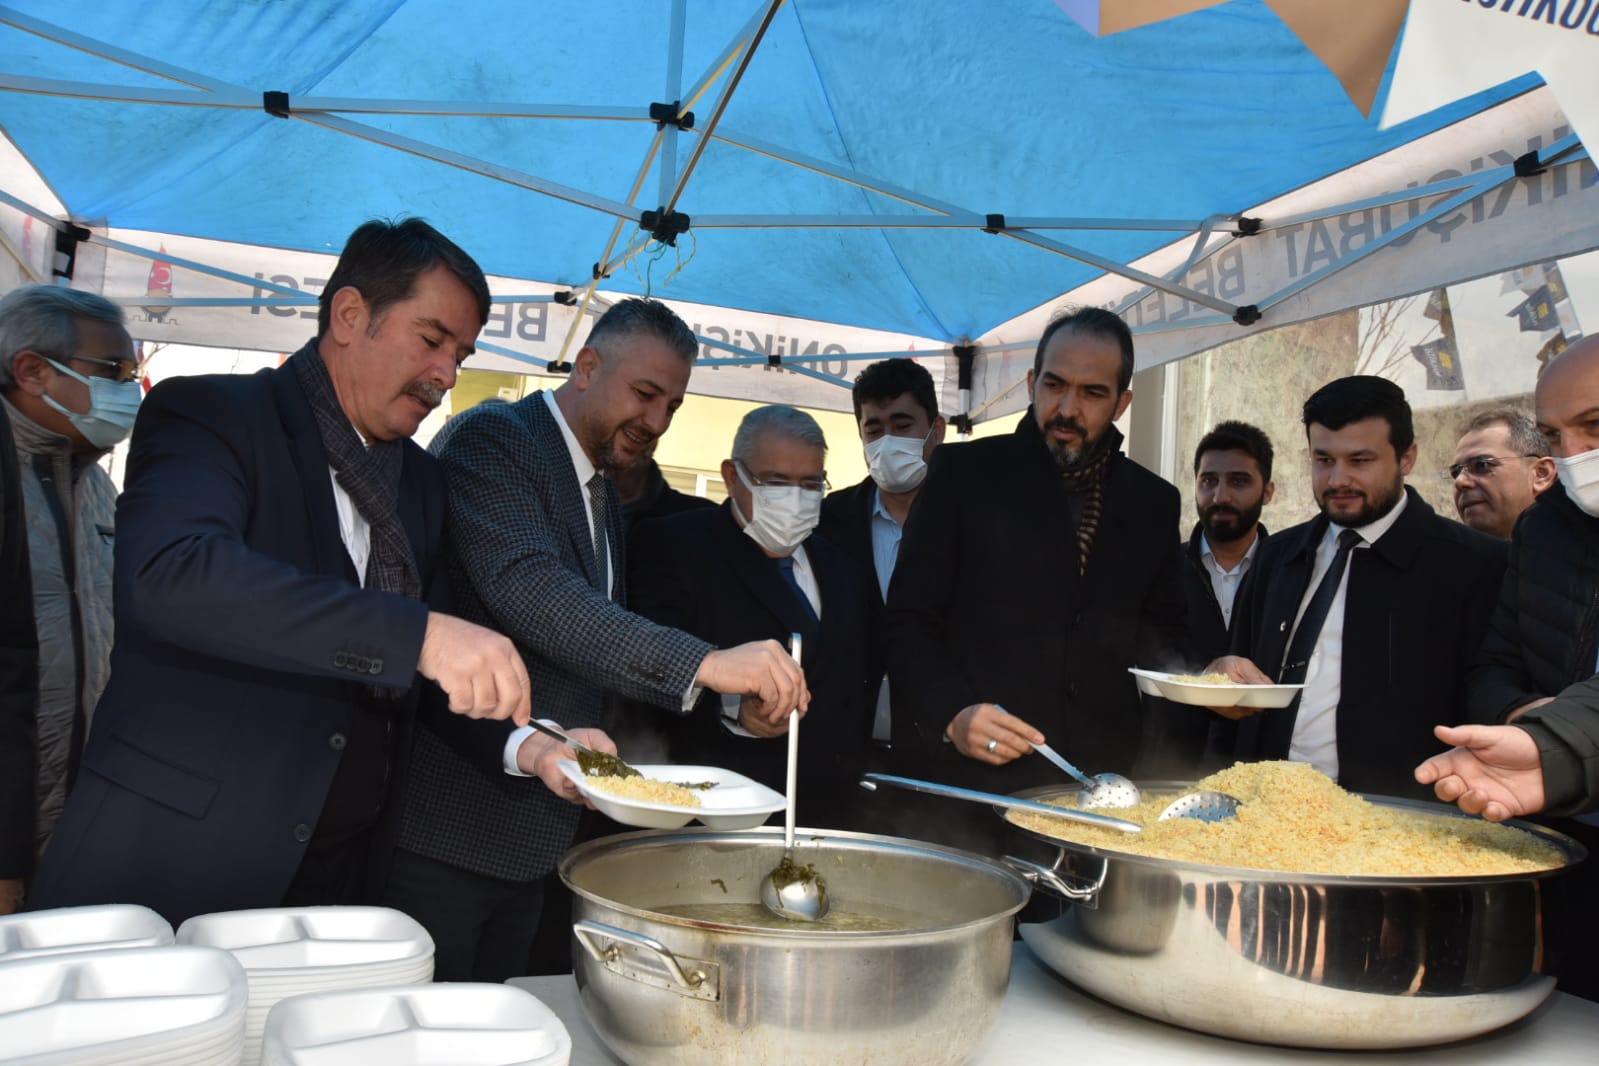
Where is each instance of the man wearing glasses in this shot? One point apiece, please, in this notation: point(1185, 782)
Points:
point(752, 570)
point(68, 379)
point(1501, 465)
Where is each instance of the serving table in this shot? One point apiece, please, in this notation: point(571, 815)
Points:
point(1041, 1012)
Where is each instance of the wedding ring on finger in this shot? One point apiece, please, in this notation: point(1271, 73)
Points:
point(992, 745)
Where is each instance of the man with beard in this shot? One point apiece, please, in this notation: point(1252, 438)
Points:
point(277, 542)
point(1232, 483)
point(536, 550)
point(1035, 569)
point(1501, 465)
point(1377, 606)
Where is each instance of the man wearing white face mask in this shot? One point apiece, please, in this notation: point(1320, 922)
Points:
point(69, 380)
point(896, 411)
point(1539, 659)
point(750, 570)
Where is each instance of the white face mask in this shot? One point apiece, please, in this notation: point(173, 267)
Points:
point(784, 514)
point(112, 408)
point(1580, 477)
point(896, 463)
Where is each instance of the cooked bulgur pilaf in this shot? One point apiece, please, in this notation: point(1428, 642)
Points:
point(1203, 679)
point(645, 789)
point(1296, 819)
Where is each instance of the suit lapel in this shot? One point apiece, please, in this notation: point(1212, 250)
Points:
point(311, 463)
point(570, 498)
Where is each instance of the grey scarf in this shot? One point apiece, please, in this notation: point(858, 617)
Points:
point(371, 476)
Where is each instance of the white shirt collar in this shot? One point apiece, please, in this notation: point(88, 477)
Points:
point(581, 464)
point(1207, 554)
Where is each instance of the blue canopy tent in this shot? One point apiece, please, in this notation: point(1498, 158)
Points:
point(847, 179)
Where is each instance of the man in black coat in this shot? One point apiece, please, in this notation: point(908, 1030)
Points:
point(19, 683)
point(749, 570)
point(1537, 664)
point(1405, 596)
point(1035, 570)
point(277, 540)
point(896, 412)
point(1232, 484)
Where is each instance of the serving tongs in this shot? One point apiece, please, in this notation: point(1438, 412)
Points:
point(592, 763)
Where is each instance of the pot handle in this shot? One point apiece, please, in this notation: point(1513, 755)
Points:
point(1086, 893)
point(592, 935)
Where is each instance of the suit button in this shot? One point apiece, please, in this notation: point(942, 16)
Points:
point(341, 660)
point(337, 742)
point(1071, 689)
point(377, 666)
point(362, 664)
point(302, 832)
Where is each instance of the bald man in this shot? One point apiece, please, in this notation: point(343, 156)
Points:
point(1538, 662)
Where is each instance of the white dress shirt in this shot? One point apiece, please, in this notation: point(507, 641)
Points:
point(1315, 737)
point(1223, 582)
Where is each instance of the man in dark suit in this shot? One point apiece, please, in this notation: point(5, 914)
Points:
point(536, 551)
point(643, 493)
point(1232, 483)
point(752, 570)
point(1036, 569)
point(275, 540)
point(896, 411)
point(1377, 606)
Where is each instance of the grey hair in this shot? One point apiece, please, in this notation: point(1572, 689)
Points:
point(1524, 436)
point(777, 418)
point(39, 318)
point(651, 318)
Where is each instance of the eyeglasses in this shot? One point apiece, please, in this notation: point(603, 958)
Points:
point(809, 484)
point(1482, 466)
point(127, 369)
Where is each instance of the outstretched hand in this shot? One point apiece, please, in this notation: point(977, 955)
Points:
point(1241, 671)
point(1493, 770)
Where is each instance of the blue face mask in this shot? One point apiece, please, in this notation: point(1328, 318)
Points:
point(113, 406)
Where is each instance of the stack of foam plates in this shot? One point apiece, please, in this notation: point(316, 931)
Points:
point(116, 925)
point(289, 951)
point(162, 1006)
point(423, 1025)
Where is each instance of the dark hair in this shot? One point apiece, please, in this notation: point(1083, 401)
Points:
point(1094, 322)
point(1238, 437)
point(1354, 399)
point(642, 317)
point(891, 379)
point(383, 259)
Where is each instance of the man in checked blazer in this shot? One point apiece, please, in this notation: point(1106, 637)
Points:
point(536, 551)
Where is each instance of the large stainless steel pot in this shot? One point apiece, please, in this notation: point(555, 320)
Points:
point(1304, 960)
point(665, 989)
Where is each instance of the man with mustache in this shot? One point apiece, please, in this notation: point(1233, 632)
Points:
point(1501, 465)
point(1377, 606)
point(277, 542)
point(1232, 484)
point(1034, 570)
point(536, 550)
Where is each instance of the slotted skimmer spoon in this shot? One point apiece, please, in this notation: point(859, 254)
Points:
point(1101, 790)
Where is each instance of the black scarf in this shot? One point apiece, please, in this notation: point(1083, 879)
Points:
point(370, 475)
point(1088, 478)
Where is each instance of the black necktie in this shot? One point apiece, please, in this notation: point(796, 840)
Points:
point(1303, 644)
point(598, 507)
point(786, 565)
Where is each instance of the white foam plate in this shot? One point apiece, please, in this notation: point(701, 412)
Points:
point(114, 925)
point(423, 1025)
point(735, 803)
point(303, 938)
point(122, 1005)
point(1155, 683)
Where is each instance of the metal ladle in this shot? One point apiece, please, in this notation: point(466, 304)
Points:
point(793, 891)
point(1101, 790)
point(1201, 806)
